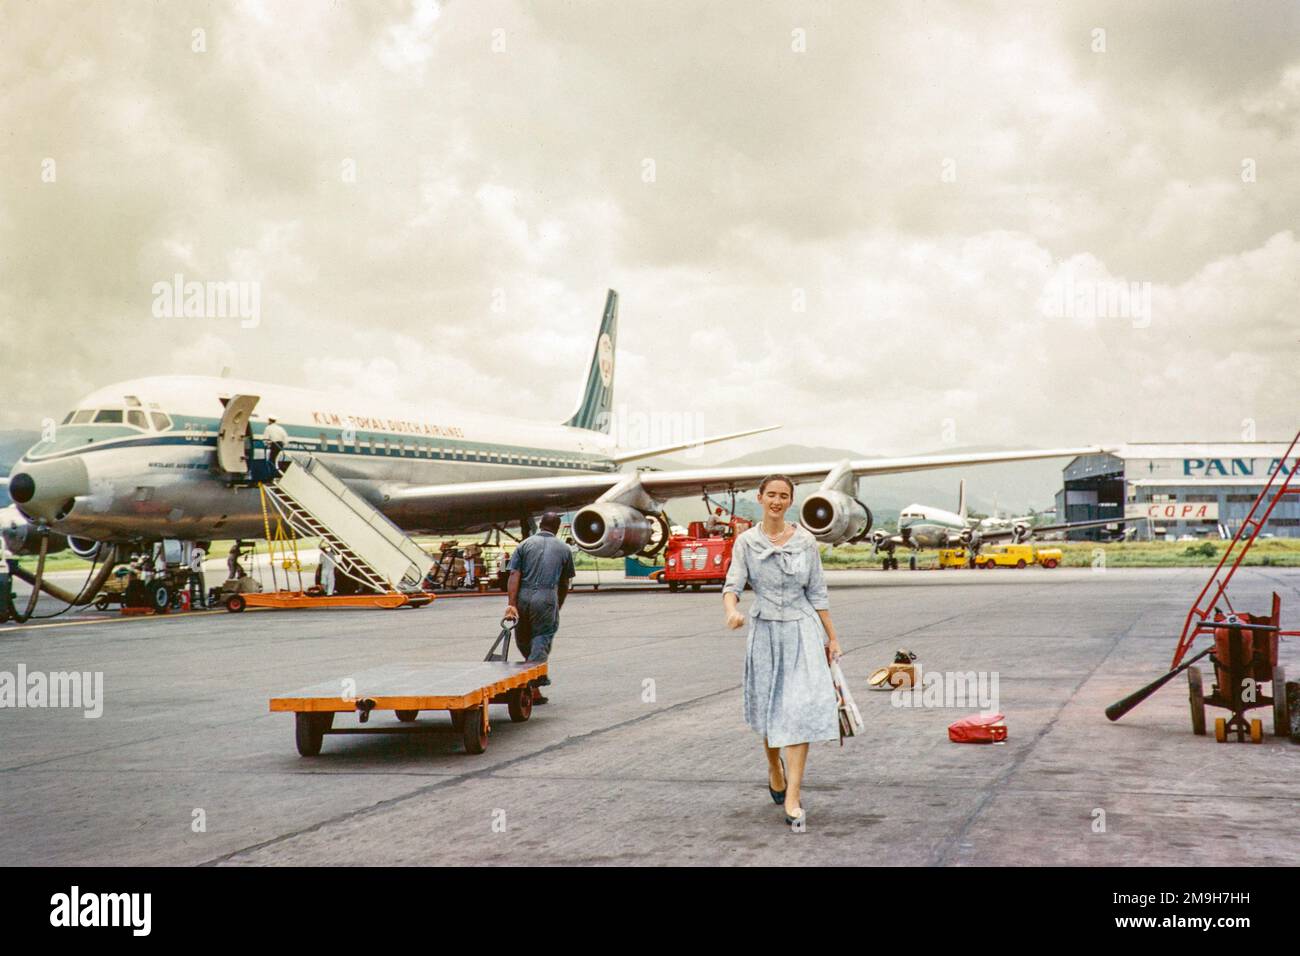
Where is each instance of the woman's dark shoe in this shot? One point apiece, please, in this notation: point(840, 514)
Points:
point(778, 796)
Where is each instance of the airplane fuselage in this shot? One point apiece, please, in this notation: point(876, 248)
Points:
point(148, 448)
point(925, 527)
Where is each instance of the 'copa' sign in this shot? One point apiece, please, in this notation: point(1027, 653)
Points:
point(1174, 510)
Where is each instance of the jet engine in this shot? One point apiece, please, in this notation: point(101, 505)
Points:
point(20, 535)
point(85, 548)
point(836, 518)
point(608, 530)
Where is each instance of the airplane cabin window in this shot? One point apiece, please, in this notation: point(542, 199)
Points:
point(82, 416)
point(68, 419)
point(161, 422)
point(136, 417)
point(108, 416)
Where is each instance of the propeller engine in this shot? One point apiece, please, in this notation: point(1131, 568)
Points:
point(1020, 532)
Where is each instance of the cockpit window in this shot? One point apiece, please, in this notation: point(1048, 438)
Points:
point(83, 416)
point(108, 416)
point(161, 421)
point(136, 417)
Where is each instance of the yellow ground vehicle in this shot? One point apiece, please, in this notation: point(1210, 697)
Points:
point(1017, 556)
point(953, 558)
point(1048, 557)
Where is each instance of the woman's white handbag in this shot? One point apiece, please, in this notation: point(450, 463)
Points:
point(850, 717)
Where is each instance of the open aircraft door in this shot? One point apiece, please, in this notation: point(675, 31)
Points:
point(231, 433)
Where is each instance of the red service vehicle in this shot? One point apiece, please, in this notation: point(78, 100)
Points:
point(702, 555)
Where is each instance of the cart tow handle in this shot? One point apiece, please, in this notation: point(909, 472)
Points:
point(1121, 707)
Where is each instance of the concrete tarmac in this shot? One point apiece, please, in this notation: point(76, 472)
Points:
point(643, 756)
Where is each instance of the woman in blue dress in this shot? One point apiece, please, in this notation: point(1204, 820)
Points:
point(789, 694)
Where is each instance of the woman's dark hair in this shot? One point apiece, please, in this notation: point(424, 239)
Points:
point(786, 478)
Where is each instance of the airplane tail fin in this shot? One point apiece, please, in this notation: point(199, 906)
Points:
point(597, 399)
point(961, 499)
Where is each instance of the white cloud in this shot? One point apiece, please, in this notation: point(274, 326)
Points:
point(499, 194)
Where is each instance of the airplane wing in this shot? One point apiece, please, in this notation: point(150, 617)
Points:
point(1009, 533)
point(463, 504)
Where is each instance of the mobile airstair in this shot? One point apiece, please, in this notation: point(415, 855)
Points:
point(366, 545)
point(312, 502)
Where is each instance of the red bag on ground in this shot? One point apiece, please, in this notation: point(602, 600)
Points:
point(979, 729)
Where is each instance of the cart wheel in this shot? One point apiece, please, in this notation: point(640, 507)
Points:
point(101, 604)
point(695, 586)
point(458, 720)
point(1197, 698)
point(1049, 563)
point(406, 716)
point(521, 703)
point(1281, 722)
point(160, 599)
point(674, 585)
point(473, 732)
point(911, 563)
point(236, 603)
point(309, 731)
point(1220, 729)
point(1020, 563)
point(1256, 731)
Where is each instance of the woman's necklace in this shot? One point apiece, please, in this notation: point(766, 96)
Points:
point(774, 538)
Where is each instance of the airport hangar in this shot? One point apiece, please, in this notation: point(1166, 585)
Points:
point(1203, 489)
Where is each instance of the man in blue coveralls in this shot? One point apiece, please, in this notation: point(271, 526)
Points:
point(540, 571)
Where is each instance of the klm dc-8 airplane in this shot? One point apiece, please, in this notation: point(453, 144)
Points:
point(165, 457)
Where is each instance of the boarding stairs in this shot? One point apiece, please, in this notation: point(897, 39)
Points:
point(367, 547)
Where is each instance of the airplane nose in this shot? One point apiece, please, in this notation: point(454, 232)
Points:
point(22, 487)
point(48, 489)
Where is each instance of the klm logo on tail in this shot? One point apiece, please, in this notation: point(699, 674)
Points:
point(598, 395)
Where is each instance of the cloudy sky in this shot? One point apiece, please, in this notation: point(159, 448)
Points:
point(888, 226)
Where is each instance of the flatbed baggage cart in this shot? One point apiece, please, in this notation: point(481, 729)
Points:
point(306, 599)
point(463, 689)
